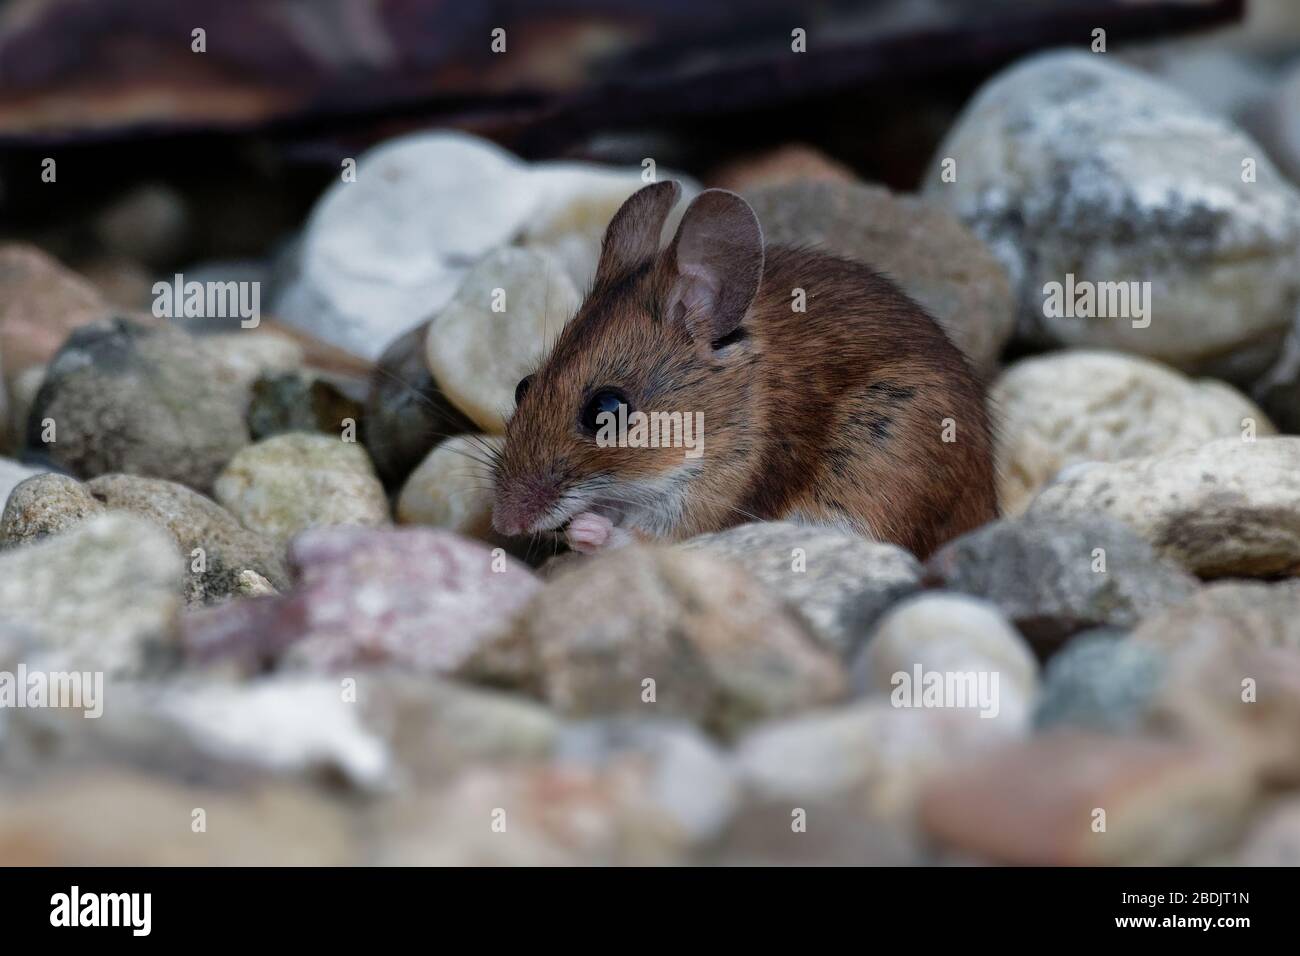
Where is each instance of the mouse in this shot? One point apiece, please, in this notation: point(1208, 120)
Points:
point(822, 393)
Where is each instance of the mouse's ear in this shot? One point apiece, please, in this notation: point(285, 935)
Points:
point(632, 236)
point(716, 260)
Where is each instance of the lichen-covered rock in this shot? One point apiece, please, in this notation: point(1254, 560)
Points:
point(121, 396)
point(1228, 508)
point(295, 481)
point(1057, 410)
point(838, 583)
point(1068, 163)
point(655, 631)
point(927, 251)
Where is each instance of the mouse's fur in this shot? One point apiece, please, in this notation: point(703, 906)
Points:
point(832, 415)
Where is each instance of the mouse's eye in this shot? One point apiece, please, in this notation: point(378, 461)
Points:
point(522, 388)
point(605, 401)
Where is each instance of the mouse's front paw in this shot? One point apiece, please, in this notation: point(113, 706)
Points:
point(589, 532)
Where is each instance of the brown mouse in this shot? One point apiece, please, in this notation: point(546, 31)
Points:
point(826, 395)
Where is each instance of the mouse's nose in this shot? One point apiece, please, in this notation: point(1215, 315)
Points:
point(506, 521)
point(517, 508)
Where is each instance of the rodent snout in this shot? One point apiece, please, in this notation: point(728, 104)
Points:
point(519, 505)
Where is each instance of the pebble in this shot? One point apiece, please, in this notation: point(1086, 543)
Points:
point(1100, 681)
point(103, 596)
point(146, 400)
point(252, 584)
point(477, 352)
point(950, 635)
point(289, 483)
point(250, 355)
point(1246, 613)
point(614, 792)
point(690, 779)
point(576, 202)
point(196, 523)
point(823, 833)
point(372, 732)
point(1228, 508)
point(149, 223)
point(1285, 116)
point(1119, 178)
point(837, 583)
point(50, 505)
point(1240, 699)
point(1053, 577)
point(1278, 390)
point(125, 283)
point(871, 755)
point(417, 598)
point(791, 163)
point(96, 816)
point(452, 487)
point(1273, 838)
point(1231, 83)
point(22, 390)
point(301, 401)
point(1035, 802)
point(932, 256)
point(12, 474)
point(436, 728)
point(716, 648)
point(405, 414)
point(1080, 405)
point(43, 506)
point(383, 253)
point(41, 304)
